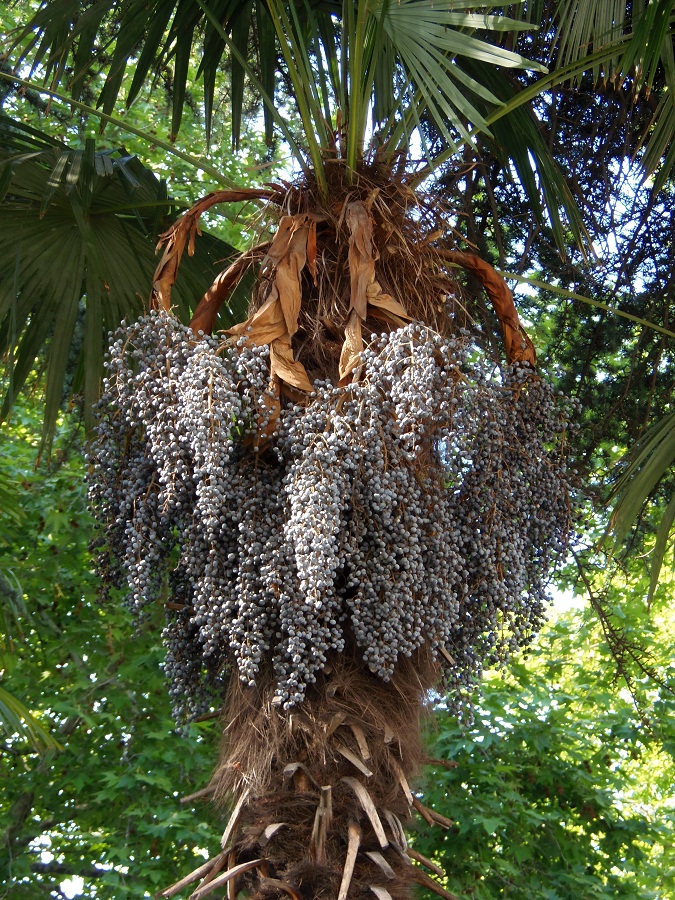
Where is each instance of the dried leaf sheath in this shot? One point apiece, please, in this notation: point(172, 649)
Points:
point(172, 242)
point(277, 320)
point(519, 348)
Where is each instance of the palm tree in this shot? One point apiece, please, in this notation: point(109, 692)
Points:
point(320, 782)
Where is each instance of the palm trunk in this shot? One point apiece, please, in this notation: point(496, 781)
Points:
point(321, 794)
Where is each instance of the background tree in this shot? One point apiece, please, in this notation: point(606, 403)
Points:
point(108, 810)
point(446, 136)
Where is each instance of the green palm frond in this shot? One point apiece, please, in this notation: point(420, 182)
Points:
point(658, 143)
point(518, 143)
point(648, 464)
point(333, 53)
point(157, 35)
point(432, 44)
point(400, 61)
point(631, 45)
point(16, 720)
point(585, 26)
point(77, 236)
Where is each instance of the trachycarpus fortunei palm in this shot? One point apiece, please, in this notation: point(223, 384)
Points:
point(352, 505)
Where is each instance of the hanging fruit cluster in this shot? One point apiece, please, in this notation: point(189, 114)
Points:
point(416, 496)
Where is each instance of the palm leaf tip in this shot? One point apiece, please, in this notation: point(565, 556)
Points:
point(17, 721)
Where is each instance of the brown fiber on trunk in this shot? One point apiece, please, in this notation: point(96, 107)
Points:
point(320, 794)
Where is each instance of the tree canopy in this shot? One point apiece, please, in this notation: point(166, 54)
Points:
point(550, 150)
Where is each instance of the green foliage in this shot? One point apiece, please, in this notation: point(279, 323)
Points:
point(417, 46)
point(560, 788)
point(107, 807)
point(363, 77)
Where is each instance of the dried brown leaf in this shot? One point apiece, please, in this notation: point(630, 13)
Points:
point(350, 357)
point(386, 302)
point(519, 348)
point(288, 369)
point(331, 327)
point(311, 249)
point(173, 241)
point(382, 316)
point(281, 243)
point(206, 313)
point(287, 279)
point(361, 255)
point(265, 325)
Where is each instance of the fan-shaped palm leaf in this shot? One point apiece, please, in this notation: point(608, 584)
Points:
point(77, 237)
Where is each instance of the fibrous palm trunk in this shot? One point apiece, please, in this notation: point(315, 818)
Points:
point(322, 793)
